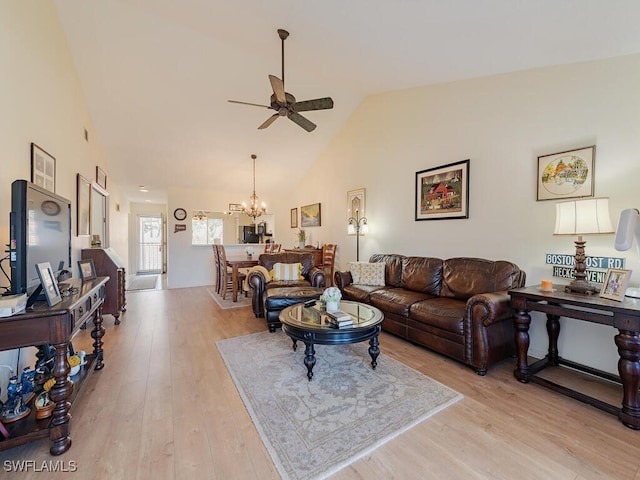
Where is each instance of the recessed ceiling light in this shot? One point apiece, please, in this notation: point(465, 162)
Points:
point(143, 189)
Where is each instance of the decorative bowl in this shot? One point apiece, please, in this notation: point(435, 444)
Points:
point(74, 370)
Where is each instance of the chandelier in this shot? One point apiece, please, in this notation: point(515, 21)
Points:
point(253, 210)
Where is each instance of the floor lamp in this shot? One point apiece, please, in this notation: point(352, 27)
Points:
point(357, 225)
point(582, 217)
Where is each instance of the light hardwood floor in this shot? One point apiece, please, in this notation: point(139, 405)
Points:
point(164, 407)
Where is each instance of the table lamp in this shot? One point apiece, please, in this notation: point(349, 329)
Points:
point(582, 217)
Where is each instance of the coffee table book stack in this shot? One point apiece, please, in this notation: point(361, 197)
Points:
point(339, 319)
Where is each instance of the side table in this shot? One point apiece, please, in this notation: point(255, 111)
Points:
point(624, 316)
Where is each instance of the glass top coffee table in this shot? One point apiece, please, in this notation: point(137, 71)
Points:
point(309, 325)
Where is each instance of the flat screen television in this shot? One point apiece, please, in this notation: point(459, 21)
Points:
point(40, 224)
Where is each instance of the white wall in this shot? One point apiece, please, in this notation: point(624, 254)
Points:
point(502, 124)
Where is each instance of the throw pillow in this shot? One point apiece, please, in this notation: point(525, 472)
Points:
point(354, 268)
point(287, 271)
point(372, 274)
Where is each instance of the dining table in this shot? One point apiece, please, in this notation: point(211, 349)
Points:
point(236, 262)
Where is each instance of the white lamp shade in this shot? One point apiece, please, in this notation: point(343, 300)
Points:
point(582, 217)
point(365, 229)
point(351, 229)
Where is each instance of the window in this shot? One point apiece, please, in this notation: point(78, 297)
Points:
point(205, 231)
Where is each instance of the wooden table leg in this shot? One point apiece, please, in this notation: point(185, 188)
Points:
point(522, 320)
point(60, 392)
point(234, 279)
point(97, 333)
point(629, 370)
point(553, 332)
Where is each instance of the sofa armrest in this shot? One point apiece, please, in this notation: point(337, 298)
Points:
point(489, 308)
point(258, 283)
point(317, 277)
point(342, 279)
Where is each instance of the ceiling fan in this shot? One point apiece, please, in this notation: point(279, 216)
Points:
point(285, 104)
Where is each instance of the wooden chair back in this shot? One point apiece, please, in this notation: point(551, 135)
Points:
point(328, 261)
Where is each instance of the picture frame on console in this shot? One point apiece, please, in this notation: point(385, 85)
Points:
point(87, 269)
point(615, 284)
point(442, 193)
point(567, 174)
point(43, 168)
point(294, 217)
point(49, 283)
point(310, 215)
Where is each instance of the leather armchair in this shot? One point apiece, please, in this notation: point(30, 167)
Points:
point(313, 276)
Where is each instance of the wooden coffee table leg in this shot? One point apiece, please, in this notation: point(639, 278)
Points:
point(374, 351)
point(309, 359)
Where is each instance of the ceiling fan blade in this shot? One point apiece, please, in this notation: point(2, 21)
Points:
point(315, 104)
point(269, 121)
point(308, 125)
point(278, 89)
point(247, 103)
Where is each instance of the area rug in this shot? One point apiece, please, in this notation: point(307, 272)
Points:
point(143, 282)
point(228, 302)
point(314, 428)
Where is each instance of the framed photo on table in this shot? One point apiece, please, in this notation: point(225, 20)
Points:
point(615, 284)
point(566, 174)
point(87, 269)
point(43, 168)
point(49, 283)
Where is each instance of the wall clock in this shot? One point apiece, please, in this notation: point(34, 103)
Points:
point(50, 207)
point(180, 214)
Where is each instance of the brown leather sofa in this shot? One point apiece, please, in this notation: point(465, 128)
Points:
point(271, 297)
point(458, 307)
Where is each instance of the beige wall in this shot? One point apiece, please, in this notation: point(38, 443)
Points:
point(501, 123)
point(42, 102)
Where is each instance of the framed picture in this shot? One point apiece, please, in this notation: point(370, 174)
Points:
point(310, 215)
point(43, 168)
point(566, 174)
point(294, 218)
point(235, 207)
point(83, 210)
point(443, 192)
point(615, 284)
point(101, 177)
point(355, 204)
point(49, 283)
point(87, 269)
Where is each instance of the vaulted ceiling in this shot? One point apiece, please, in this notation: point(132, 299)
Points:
point(157, 74)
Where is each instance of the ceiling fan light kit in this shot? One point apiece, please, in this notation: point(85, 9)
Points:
point(285, 104)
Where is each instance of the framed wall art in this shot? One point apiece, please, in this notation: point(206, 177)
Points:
point(615, 284)
point(310, 215)
point(443, 192)
point(101, 177)
point(83, 209)
point(43, 168)
point(566, 174)
point(356, 204)
point(235, 207)
point(294, 218)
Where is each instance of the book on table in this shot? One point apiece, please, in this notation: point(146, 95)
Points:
point(339, 315)
point(338, 324)
point(12, 304)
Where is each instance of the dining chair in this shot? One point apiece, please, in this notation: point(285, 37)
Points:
point(216, 263)
point(328, 261)
point(226, 274)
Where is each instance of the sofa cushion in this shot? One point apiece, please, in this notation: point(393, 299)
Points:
point(444, 313)
point(462, 278)
point(422, 274)
point(372, 274)
point(396, 300)
point(354, 268)
point(359, 293)
point(268, 260)
point(286, 271)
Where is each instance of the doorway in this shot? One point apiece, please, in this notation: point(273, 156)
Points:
point(150, 251)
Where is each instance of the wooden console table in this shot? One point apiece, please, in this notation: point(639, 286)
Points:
point(55, 326)
point(317, 254)
point(624, 316)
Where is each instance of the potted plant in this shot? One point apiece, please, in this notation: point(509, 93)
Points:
point(302, 236)
point(332, 296)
